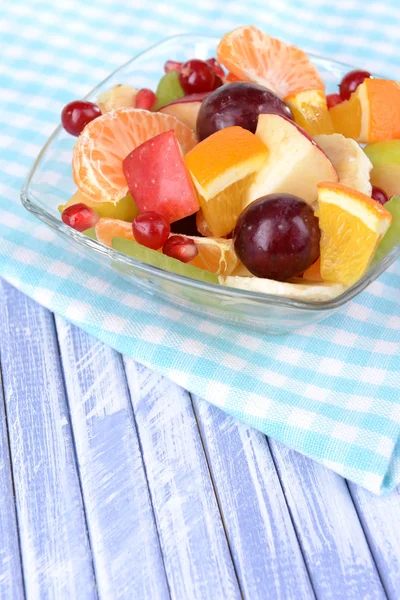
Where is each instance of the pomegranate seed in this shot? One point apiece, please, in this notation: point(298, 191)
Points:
point(379, 195)
point(79, 217)
point(172, 65)
point(196, 76)
point(351, 81)
point(217, 82)
point(151, 229)
point(216, 67)
point(145, 98)
point(77, 114)
point(333, 100)
point(181, 248)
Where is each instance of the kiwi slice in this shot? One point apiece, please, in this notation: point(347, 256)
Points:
point(168, 89)
point(157, 259)
point(392, 236)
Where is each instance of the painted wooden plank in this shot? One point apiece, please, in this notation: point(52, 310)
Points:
point(125, 545)
point(331, 536)
point(195, 549)
point(11, 584)
point(264, 546)
point(56, 555)
point(380, 518)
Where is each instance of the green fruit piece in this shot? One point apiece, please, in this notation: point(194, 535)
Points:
point(168, 89)
point(157, 259)
point(392, 236)
point(91, 233)
point(125, 209)
point(385, 158)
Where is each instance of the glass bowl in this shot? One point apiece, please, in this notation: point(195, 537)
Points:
point(50, 183)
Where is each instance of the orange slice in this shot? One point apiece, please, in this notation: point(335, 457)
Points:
point(216, 255)
point(106, 141)
point(313, 273)
point(223, 167)
point(372, 114)
point(252, 55)
point(107, 229)
point(310, 111)
point(352, 225)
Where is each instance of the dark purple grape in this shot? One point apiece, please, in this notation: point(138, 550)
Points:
point(277, 237)
point(237, 104)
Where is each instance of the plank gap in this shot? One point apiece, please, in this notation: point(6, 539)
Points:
point(216, 494)
point(7, 436)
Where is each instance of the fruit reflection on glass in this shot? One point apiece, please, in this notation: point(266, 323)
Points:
point(239, 170)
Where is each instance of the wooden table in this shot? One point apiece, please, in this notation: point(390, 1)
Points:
point(116, 483)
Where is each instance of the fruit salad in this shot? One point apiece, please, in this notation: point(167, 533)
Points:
point(239, 170)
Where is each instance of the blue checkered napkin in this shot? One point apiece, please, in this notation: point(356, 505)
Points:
point(329, 390)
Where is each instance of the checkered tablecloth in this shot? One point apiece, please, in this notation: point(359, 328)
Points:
point(332, 390)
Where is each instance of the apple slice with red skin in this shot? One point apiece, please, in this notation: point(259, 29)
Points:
point(295, 163)
point(158, 179)
point(186, 108)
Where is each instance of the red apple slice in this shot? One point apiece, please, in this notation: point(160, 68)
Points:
point(295, 163)
point(185, 109)
point(158, 179)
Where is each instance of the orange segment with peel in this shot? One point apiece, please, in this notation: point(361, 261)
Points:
point(310, 111)
point(352, 225)
point(372, 114)
point(251, 55)
point(222, 167)
point(107, 140)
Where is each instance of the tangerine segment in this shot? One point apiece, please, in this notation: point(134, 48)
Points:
point(252, 55)
point(222, 167)
point(352, 225)
point(107, 140)
point(216, 255)
point(372, 114)
point(310, 111)
point(107, 229)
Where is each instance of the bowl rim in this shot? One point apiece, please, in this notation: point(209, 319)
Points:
point(227, 292)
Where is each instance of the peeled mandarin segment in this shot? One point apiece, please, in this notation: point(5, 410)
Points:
point(372, 114)
point(222, 167)
point(231, 78)
point(252, 55)
point(107, 229)
point(352, 225)
point(107, 140)
point(216, 255)
point(310, 111)
point(125, 209)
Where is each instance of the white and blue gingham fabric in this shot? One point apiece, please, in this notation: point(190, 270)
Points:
point(332, 390)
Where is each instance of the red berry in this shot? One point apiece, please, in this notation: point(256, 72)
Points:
point(217, 82)
point(379, 195)
point(196, 76)
point(181, 248)
point(351, 81)
point(172, 65)
point(145, 98)
point(151, 229)
point(333, 100)
point(79, 217)
point(76, 115)
point(216, 67)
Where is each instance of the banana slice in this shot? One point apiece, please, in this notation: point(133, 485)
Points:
point(350, 161)
point(300, 291)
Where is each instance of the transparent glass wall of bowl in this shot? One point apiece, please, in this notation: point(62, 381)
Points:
point(50, 183)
